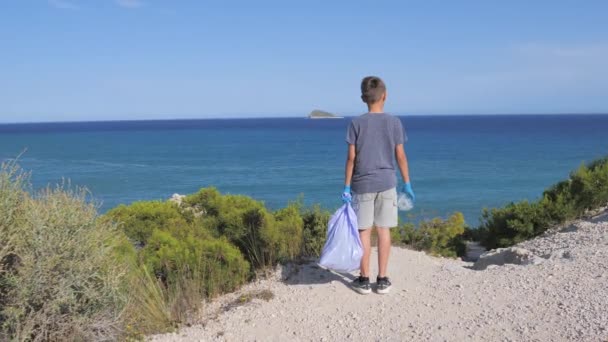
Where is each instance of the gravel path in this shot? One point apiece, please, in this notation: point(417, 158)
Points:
point(563, 298)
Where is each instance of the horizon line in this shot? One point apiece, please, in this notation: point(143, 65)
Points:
point(292, 117)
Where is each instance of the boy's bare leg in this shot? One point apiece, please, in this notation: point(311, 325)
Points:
point(365, 236)
point(384, 249)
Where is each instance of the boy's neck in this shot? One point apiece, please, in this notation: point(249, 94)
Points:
point(375, 108)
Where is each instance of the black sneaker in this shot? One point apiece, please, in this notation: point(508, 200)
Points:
point(383, 285)
point(361, 285)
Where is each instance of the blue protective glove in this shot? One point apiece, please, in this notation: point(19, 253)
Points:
point(407, 189)
point(346, 195)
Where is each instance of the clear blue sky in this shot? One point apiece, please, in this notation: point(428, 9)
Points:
point(151, 59)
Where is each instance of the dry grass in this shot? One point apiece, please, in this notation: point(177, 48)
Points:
point(59, 279)
point(147, 311)
point(156, 307)
point(12, 196)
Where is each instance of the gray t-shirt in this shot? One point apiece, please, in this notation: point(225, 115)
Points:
point(375, 137)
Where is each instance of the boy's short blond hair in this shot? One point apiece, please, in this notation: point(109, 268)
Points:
point(372, 89)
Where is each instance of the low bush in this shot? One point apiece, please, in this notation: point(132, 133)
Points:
point(289, 232)
point(263, 237)
point(314, 233)
point(178, 263)
point(206, 245)
point(12, 197)
point(585, 190)
point(59, 279)
point(220, 265)
point(141, 219)
point(510, 225)
point(436, 236)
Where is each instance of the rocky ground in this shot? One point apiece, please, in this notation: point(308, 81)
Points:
point(557, 291)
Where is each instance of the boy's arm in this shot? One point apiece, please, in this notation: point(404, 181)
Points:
point(402, 163)
point(350, 164)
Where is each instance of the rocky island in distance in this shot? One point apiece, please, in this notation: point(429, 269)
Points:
point(319, 114)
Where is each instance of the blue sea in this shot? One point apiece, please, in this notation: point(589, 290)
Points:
point(457, 163)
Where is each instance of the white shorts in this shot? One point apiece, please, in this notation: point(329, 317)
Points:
point(376, 209)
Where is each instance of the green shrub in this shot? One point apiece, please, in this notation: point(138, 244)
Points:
point(237, 214)
point(207, 200)
point(12, 197)
point(263, 238)
point(192, 271)
point(62, 281)
point(216, 261)
point(515, 223)
point(179, 262)
point(140, 219)
point(289, 230)
point(314, 230)
point(589, 186)
point(199, 249)
point(586, 189)
point(436, 236)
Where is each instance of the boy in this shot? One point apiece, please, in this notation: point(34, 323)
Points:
point(373, 139)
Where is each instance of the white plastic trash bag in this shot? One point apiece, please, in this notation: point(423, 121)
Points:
point(343, 249)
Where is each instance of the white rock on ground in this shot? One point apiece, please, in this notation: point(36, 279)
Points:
point(564, 298)
point(177, 198)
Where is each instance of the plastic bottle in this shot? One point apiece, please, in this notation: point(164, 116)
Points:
point(404, 202)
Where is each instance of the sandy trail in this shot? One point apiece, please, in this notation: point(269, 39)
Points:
point(564, 298)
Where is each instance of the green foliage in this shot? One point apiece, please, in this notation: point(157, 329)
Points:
point(589, 186)
point(289, 230)
point(436, 236)
point(218, 262)
point(207, 245)
point(314, 231)
point(12, 197)
point(207, 200)
point(191, 270)
point(586, 189)
point(60, 280)
point(68, 274)
point(264, 238)
point(513, 224)
point(179, 262)
point(200, 248)
point(140, 219)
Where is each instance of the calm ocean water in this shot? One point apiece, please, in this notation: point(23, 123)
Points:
point(457, 163)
